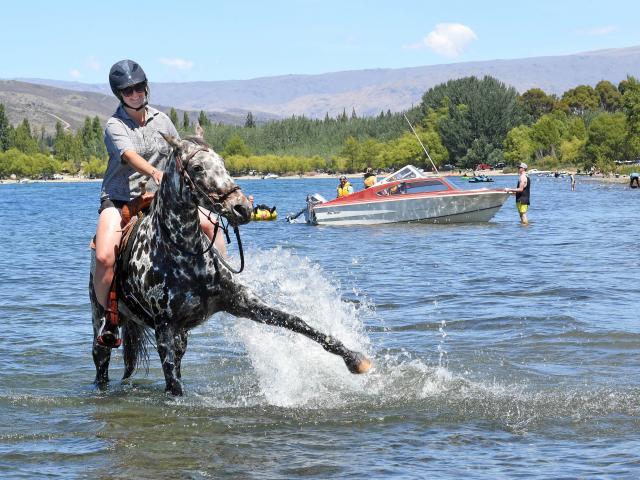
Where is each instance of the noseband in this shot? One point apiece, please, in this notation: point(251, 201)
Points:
point(215, 200)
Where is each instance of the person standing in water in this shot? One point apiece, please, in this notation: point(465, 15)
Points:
point(573, 182)
point(523, 193)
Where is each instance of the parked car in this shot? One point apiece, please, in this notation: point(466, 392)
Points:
point(483, 166)
point(500, 165)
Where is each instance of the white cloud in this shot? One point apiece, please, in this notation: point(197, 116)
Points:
point(179, 63)
point(75, 73)
point(599, 31)
point(92, 63)
point(448, 39)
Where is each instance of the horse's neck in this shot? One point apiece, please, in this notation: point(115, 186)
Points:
point(179, 216)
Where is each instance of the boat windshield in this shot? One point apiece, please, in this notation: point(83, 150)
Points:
point(404, 173)
point(409, 188)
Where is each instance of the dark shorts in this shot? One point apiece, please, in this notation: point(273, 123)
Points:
point(107, 203)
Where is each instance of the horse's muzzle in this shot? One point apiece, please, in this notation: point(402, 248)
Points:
point(240, 214)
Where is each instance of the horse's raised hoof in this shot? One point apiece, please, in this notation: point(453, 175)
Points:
point(357, 363)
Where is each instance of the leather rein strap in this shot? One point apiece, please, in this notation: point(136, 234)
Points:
point(215, 201)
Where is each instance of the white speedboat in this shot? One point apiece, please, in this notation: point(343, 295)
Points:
point(270, 176)
point(407, 196)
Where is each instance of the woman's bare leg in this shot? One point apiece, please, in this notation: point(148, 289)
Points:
point(208, 227)
point(108, 235)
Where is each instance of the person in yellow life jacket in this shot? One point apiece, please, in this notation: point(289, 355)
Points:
point(344, 188)
point(369, 178)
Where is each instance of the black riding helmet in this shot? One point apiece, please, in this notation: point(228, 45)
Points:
point(126, 73)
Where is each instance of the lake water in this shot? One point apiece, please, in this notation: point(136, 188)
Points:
point(499, 350)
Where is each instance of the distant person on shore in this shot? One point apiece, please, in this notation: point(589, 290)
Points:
point(573, 182)
point(137, 151)
point(344, 188)
point(369, 178)
point(522, 191)
point(634, 178)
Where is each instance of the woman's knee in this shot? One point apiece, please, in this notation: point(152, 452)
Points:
point(105, 258)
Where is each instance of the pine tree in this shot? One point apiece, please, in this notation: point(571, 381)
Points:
point(185, 121)
point(5, 130)
point(203, 120)
point(23, 139)
point(353, 114)
point(249, 122)
point(173, 116)
point(59, 131)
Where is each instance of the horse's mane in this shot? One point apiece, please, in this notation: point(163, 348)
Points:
point(197, 141)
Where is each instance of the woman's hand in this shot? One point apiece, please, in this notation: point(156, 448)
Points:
point(157, 176)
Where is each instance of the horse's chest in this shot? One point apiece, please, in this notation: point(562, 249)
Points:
point(169, 282)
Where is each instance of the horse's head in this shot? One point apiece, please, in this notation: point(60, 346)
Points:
point(203, 179)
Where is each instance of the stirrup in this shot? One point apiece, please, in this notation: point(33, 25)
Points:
point(107, 337)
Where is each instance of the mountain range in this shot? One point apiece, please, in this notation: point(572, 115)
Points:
point(368, 92)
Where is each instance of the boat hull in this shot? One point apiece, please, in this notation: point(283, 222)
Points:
point(462, 207)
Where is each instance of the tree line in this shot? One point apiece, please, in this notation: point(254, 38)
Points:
point(27, 152)
point(462, 122)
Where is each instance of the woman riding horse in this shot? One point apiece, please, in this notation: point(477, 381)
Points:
point(170, 280)
point(136, 150)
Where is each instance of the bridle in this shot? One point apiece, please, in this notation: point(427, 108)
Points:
point(214, 201)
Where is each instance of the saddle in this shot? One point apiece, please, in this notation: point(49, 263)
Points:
point(134, 210)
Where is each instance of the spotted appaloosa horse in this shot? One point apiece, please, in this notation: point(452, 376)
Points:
point(172, 283)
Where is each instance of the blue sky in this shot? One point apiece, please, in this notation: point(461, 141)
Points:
point(225, 40)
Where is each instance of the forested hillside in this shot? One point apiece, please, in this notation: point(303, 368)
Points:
point(462, 122)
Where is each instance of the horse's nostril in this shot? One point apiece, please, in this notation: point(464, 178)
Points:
point(241, 211)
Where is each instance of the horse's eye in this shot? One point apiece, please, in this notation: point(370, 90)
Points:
point(198, 168)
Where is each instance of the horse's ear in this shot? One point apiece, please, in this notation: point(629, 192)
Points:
point(171, 140)
point(177, 148)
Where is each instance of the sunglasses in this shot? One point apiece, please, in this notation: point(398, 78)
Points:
point(138, 88)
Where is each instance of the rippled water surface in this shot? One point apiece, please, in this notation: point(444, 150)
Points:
point(499, 350)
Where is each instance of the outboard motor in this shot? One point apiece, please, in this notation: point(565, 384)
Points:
point(312, 199)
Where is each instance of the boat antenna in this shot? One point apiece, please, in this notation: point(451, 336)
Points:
point(421, 144)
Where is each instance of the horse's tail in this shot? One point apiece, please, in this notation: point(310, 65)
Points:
point(135, 340)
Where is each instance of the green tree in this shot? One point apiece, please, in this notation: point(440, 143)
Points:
point(607, 139)
point(23, 139)
point(547, 134)
point(236, 146)
point(610, 98)
point(351, 152)
point(580, 99)
point(185, 121)
point(249, 122)
point(631, 106)
point(537, 103)
point(68, 148)
point(480, 113)
point(5, 130)
point(203, 120)
point(518, 145)
point(173, 116)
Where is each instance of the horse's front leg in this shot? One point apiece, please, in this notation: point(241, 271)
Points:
point(101, 354)
point(246, 304)
point(167, 339)
point(181, 348)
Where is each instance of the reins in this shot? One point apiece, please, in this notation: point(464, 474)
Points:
point(216, 204)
